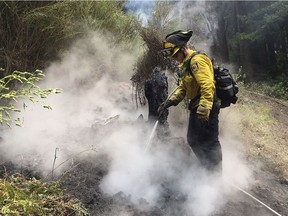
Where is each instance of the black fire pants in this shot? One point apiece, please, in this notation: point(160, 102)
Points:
point(203, 139)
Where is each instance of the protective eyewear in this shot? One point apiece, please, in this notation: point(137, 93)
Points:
point(167, 52)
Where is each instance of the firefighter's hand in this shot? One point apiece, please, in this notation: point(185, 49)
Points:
point(203, 114)
point(165, 105)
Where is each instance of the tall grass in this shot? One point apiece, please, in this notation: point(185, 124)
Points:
point(21, 196)
point(33, 33)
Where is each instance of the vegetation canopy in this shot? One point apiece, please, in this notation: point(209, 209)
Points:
point(34, 33)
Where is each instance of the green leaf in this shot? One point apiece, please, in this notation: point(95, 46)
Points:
point(57, 91)
point(24, 105)
point(47, 107)
point(7, 123)
point(18, 122)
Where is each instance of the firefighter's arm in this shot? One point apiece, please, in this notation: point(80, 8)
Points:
point(205, 79)
point(174, 99)
point(178, 95)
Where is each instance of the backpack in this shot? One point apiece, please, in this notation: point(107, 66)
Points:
point(226, 87)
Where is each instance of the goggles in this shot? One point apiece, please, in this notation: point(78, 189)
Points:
point(167, 52)
point(169, 49)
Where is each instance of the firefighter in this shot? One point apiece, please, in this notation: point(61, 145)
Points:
point(197, 84)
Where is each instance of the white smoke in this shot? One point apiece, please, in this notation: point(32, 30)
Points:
point(170, 168)
point(142, 9)
point(94, 76)
point(205, 193)
point(195, 16)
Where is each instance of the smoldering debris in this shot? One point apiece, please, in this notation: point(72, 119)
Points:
point(93, 89)
point(165, 181)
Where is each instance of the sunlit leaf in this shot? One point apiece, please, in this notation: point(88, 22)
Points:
point(47, 107)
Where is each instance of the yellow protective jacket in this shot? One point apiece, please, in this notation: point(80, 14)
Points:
point(199, 84)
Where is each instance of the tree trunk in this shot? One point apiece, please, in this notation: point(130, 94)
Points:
point(221, 33)
point(270, 50)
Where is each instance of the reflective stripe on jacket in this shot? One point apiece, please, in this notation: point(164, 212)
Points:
point(201, 83)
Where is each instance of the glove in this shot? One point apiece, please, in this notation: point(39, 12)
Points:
point(203, 114)
point(163, 106)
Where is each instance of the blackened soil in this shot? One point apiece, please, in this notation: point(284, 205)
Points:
point(83, 183)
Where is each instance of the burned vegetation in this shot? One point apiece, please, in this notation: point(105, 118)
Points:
point(151, 59)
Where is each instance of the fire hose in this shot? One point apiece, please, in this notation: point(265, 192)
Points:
point(148, 145)
point(245, 192)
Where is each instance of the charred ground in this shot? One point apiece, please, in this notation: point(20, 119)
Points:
point(267, 159)
point(269, 184)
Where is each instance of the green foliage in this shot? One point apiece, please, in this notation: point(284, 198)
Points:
point(256, 35)
point(70, 19)
point(32, 33)
point(21, 85)
point(277, 88)
point(265, 20)
point(21, 196)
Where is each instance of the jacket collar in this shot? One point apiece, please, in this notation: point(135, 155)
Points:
point(187, 58)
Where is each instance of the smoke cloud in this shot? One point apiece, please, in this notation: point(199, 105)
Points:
point(143, 9)
point(94, 75)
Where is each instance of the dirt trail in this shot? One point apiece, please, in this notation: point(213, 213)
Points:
point(264, 126)
point(269, 144)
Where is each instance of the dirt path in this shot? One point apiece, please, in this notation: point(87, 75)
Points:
point(264, 126)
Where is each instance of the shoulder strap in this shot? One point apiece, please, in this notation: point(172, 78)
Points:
point(194, 54)
point(187, 66)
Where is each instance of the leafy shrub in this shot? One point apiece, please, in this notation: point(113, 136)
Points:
point(276, 88)
point(21, 85)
